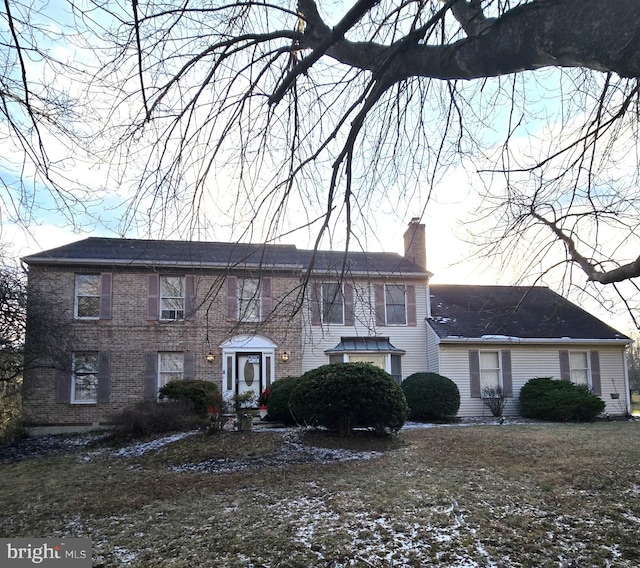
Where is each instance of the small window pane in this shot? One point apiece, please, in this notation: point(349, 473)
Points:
point(579, 364)
point(395, 304)
point(171, 297)
point(332, 304)
point(170, 368)
point(85, 377)
point(489, 369)
point(87, 295)
point(249, 299)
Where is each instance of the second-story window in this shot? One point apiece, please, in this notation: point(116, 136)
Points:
point(395, 304)
point(332, 304)
point(249, 299)
point(171, 297)
point(87, 296)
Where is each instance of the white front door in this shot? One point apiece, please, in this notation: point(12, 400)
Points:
point(249, 373)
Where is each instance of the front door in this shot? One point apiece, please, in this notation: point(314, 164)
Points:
point(249, 373)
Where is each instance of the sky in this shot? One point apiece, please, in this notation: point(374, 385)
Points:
point(446, 214)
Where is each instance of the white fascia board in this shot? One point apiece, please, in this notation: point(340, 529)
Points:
point(495, 340)
point(171, 263)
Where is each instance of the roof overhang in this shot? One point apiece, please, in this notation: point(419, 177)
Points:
point(365, 345)
point(502, 340)
point(159, 263)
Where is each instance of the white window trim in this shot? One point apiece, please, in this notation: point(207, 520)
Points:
point(162, 297)
point(587, 355)
point(500, 370)
point(341, 287)
point(159, 383)
point(73, 380)
point(76, 295)
point(386, 309)
point(257, 298)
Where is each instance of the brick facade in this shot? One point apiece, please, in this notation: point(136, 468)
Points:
point(54, 333)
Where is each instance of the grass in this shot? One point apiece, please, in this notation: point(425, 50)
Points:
point(505, 496)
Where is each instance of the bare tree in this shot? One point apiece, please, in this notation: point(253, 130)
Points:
point(292, 114)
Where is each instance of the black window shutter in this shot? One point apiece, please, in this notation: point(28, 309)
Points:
point(314, 291)
point(378, 290)
point(474, 373)
point(232, 298)
point(507, 375)
point(565, 369)
point(189, 366)
point(151, 375)
point(189, 296)
point(63, 384)
point(106, 294)
point(265, 298)
point(104, 376)
point(349, 316)
point(595, 372)
point(153, 299)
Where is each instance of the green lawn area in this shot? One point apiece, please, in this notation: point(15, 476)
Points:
point(526, 495)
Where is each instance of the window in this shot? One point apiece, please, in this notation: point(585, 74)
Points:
point(87, 296)
point(395, 304)
point(579, 367)
point(84, 379)
point(249, 299)
point(332, 304)
point(170, 368)
point(490, 371)
point(171, 297)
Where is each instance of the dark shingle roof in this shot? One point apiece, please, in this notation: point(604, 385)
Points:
point(107, 252)
point(460, 311)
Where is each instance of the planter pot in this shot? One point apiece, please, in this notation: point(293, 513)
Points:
point(245, 422)
point(263, 412)
point(615, 395)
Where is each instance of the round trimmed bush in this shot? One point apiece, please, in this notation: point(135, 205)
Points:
point(546, 399)
point(278, 405)
point(344, 396)
point(199, 394)
point(431, 396)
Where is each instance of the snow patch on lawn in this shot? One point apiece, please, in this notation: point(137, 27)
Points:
point(141, 448)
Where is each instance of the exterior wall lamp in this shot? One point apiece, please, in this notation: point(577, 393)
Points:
point(210, 357)
point(284, 356)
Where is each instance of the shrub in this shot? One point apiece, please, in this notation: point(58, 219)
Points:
point(201, 395)
point(343, 396)
point(547, 399)
point(149, 417)
point(494, 399)
point(278, 401)
point(431, 396)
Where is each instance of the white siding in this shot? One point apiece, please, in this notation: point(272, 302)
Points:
point(412, 339)
point(528, 362)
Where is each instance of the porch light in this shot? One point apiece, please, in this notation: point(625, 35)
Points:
point(284, 356)
point(210, 357)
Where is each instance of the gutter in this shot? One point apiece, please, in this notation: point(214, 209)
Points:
point(152, 263)
point(492, 340)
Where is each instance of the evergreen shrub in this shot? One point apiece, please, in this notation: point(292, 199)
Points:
point(562, 401)
point(201, 395)
point(148, 417)
point(344, 396)
point(278, 401)
point(431, 396)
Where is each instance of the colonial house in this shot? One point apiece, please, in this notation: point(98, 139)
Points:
point(112, 320)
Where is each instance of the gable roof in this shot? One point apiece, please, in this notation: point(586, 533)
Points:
point(202, 254)
point(507, 313)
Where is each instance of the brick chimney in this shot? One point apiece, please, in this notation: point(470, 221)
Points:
point(415, 244)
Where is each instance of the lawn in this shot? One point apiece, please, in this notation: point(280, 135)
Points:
point(529, 495)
